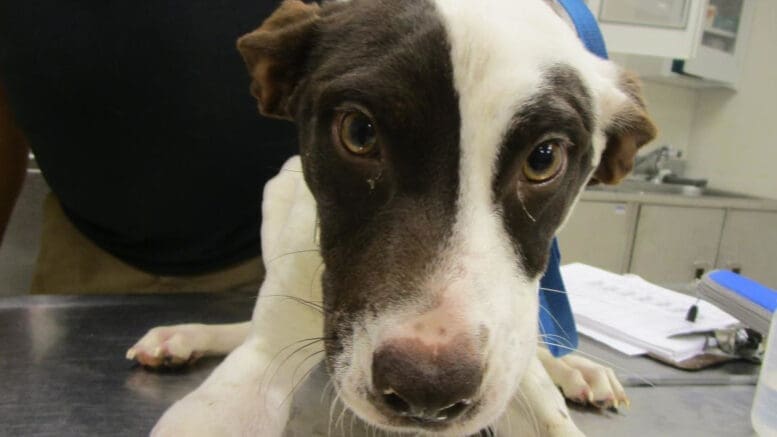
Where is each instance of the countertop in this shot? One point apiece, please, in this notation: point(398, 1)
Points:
point(618, 193)
point(63, 373)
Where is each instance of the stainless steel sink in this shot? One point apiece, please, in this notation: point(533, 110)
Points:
point(646, 187)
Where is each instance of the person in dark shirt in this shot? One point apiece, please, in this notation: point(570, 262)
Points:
point(141, 122)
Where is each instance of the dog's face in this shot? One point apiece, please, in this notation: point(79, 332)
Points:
point(445, 142)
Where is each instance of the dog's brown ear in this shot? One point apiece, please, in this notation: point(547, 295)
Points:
point(629, 129)
point(276, 52)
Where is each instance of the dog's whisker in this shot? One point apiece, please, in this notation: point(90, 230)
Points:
point(298, 384)
point(296, 252)
point(509, 421)
point(310, 342)
point(294, 374)
point(553, 290)
point(603, 361)
point(555, 320)
point(555, 337)
point(350, 427)
point(312, 304)
point(291, 170)
point(520, 396)
point(315, 279)
point(290, 355)
point(339, 422)
point(316, 303)
point(328, 386)
point(523, 206)
point(332, 407)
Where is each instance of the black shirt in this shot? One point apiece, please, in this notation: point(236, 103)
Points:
point(141, 121)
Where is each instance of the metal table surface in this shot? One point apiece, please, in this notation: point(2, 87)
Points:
point(63, 373)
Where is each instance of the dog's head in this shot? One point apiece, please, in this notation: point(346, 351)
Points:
point(445, 142)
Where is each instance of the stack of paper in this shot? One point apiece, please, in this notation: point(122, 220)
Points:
point(636, 317)
point(749, 301)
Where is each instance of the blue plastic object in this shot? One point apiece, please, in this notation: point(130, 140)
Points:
point(753, 291)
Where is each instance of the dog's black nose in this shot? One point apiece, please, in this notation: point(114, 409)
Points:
point(426, 383)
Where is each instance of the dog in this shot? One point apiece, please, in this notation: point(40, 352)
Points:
point(442, 145)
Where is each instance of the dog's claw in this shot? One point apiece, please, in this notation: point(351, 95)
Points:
point(586, 382)
point(167, 346)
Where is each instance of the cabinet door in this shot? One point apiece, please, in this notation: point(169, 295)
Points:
point(599, 234)
point(665, 28)
point(673, 242)
point(724, 35)
point(749, 242)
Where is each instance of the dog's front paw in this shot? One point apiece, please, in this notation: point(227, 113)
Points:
point(170, 346)
point(583, 381)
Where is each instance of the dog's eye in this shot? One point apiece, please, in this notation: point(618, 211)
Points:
point(356, 132)
point(545, 161)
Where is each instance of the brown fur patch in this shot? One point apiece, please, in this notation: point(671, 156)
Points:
point(631, 129)
point(275, 55)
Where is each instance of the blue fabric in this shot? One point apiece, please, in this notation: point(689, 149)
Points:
point(557, 324)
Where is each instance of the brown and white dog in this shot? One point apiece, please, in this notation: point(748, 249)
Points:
point(443, 143)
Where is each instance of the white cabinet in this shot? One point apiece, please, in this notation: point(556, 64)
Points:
point(599, 234)
point(661, 28)
point(674, 244)
point(699, 43)
point(749, 245)
point(724, 36)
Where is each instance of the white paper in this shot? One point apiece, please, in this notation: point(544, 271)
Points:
point(622, 346)
point(627, 309)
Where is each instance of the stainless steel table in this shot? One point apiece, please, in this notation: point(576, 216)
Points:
point(63, 373)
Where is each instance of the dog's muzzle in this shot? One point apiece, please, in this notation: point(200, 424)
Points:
point(428, 373)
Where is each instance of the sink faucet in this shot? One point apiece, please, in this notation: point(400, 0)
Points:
point(651, 164)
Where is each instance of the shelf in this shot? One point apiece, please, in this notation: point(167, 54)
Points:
point(720, 32)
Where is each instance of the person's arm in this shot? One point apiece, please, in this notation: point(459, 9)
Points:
point(13, 162)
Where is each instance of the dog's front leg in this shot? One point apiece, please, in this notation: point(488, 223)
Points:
point(251, 391)
point(538, 408)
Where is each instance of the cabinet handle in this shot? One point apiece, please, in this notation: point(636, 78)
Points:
point(700, 267)
point(734, 267)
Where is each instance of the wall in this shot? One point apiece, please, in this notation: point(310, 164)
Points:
point(733, 136)
point(672, 109)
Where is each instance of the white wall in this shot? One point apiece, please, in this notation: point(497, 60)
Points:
point(733, 136)
point(672, 109)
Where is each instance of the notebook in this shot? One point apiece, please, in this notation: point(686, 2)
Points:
point(750, 302)
point(635, 316)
